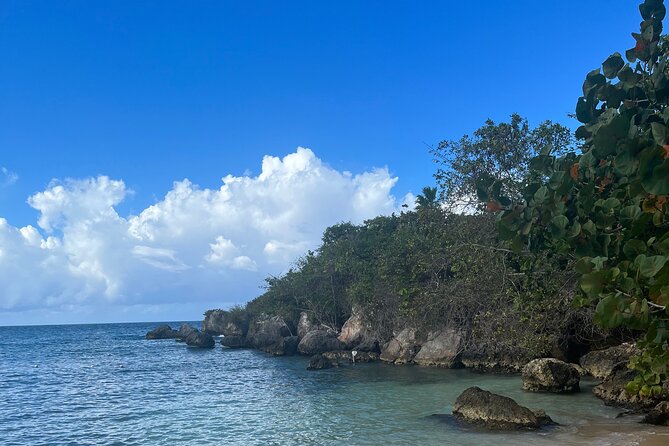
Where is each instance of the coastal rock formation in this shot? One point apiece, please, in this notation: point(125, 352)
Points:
point(402, 348)
point(346, 356)
point(319, 341)
point(200, 340)
point(220, 322)
point(550, 375)
point(319, 362)
point(162, 332)
point(356, 333)
point(613, 392)
point(271, 335)
point(491, 363)
point(305, 325)
point(494, 411)
point(658, 415)
point(441, 349)
point(601, 363)
point(233, 341)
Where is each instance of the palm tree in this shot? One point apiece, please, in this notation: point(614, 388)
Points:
point(428, 199)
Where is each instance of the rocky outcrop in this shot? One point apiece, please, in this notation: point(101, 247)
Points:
point(550, 375)
point(162, 332)
point(271, 335)
point(356, 333)
point(613, 392)
point(440, 349)
point(658, 415)
point(319, 362)
point(220, 322)
point(346, 356)
point(402, 348)
point(305, 325)
point(601, 363)
point(200, 340)
point(496, 412)
point(319, 341)
point(233, 341)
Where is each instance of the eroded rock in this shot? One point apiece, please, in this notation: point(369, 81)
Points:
point(496, 412)
point(162, 332)
point(319, 362)
point(601, 363)
point(402, 348)
point(440, 349)
point(550, 375)
point(658, 415)
point(319, 341)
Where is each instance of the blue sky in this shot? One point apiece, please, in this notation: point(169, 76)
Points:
point(154, 92)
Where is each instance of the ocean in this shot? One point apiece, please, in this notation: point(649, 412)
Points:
point(104, 384)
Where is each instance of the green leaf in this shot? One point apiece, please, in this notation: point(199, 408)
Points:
point(659, 133)
point(650, 265)
point(612, 65)
point(633, 248)
point(628, 214)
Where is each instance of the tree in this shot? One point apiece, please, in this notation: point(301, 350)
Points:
point(500, 152)
point(428, 199)
point(607, 206)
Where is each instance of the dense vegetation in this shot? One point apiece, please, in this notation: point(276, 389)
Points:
point(607, 206)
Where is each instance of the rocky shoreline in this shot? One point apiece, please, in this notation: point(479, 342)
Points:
point(355, 342)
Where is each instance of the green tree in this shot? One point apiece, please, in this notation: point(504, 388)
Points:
point(428, 199)
point(607, 206)
point(500, 152)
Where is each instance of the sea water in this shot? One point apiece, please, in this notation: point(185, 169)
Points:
point(106, 385)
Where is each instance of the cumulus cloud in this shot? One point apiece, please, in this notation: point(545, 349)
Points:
point(195, 244)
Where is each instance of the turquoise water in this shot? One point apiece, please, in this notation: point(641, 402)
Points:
point(106, 385)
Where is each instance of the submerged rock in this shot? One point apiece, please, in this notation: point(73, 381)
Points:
point(601, 363)
point(658, 415)
point(162, 332)
point(402, 348)
point(319, 362)
point(496, 412)
point(550, 375)
point(319, 341)
point(441, 349)
point(339, 356)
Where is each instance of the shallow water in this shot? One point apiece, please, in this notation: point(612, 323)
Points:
point(106, 385)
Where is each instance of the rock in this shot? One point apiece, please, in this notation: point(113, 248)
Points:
point(441, 349)
point(402, 348)
point(601, 363)
point(346, 356)
point(271, 335)
point(368, 345)
point(356, 332)
point(550, 375)
point(233, 341)
point(162, 332)
point(186, 330)
point(494, 411)
point(319, 341)
point(200, 340)
point(613, 392)
point(305, 325)
point(319, 362)
point(658, 415)
point(496, 363)
point(221, 322)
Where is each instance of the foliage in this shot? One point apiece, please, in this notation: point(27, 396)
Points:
point(500, 152)
point(608, 205)
point(428, 199)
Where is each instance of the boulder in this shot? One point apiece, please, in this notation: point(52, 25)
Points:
point(319, 341)
point(601, 363)
point(550, 375)
point(356, 333)
point(496, 412)
point(186, 330)
point(319, 362)
point(402, 348)
point(613, 391)
point(220, 322)
point(368, 345)
point(441, 348)
point(305, 325)
point(658, 415)
point(200, 340)
point(162, 332)
point(271, 335)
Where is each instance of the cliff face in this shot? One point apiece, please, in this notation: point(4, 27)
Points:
point(221, 322)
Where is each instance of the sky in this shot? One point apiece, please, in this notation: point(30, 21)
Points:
point(159, 158)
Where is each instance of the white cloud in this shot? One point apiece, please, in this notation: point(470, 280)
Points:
point(7, 177)
point(195, 244)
